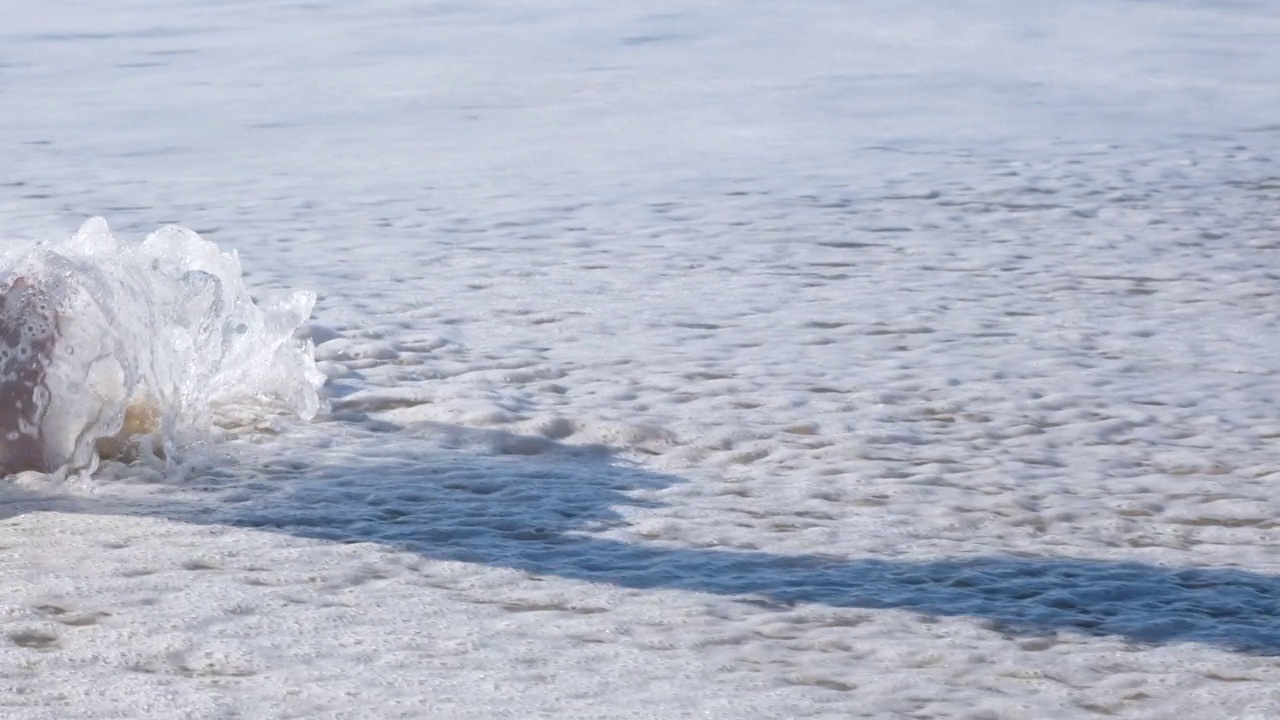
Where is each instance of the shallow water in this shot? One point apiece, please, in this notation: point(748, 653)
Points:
point(847, 360)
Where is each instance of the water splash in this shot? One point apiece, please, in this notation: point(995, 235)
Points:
point(104, 342)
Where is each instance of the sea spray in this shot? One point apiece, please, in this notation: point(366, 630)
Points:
point(107, 343)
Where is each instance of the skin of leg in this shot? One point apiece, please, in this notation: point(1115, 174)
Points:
point(28, 336)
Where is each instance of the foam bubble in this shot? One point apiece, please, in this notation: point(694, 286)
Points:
point(101, 338)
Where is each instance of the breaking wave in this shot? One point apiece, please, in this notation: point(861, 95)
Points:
point(105, 343)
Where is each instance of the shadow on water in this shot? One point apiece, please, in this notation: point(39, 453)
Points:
point(536, 513)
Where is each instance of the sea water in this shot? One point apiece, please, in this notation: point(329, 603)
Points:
point(754, 360)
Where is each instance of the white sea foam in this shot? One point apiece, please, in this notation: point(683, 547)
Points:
point(732, 360)
point(150, 341)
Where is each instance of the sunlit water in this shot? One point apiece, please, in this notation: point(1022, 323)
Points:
point(748, 360)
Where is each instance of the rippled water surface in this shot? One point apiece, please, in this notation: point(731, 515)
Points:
point(844, 360)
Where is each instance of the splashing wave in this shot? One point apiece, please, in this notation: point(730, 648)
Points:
point(105, 342)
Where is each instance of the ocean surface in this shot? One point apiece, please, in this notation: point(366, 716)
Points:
point(727, 359)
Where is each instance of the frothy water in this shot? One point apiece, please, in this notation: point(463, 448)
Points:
point(106, 344)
